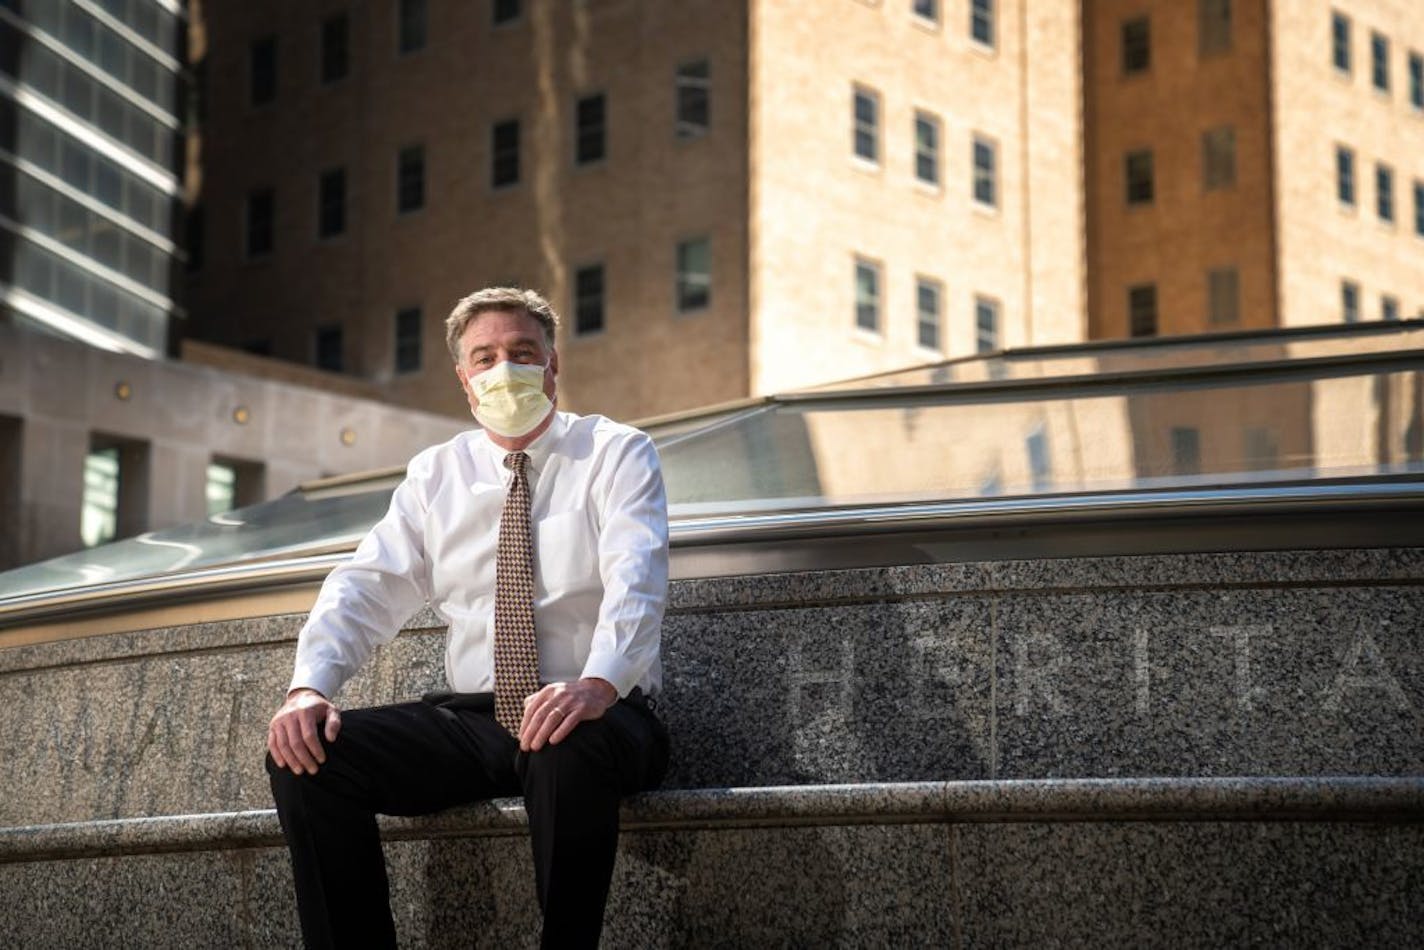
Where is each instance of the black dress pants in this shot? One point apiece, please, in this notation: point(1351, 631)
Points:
point(417, 758)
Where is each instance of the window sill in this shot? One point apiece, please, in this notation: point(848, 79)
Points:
point(864, 165)
point(929, 190)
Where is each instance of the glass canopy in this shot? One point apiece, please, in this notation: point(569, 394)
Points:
point(1225, 413)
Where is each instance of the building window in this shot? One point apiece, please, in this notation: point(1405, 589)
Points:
point(410, 179)
point(867, 296)
point(1384, 193)
point(221, 488)
point(1142, 310)
point(327, 347)
point(412, 26)
point(99, 505)
point(1213, 27)
point(1223, 296)
point(1416, 80)
point(928, 9)
point(1219, 158)
point(262, 70)
point(408, 340)
point(986, 184)
point(260, 209)
point(588, 299)
point(1379, 61)
point(1262, 448)
point(504, 11)
point(1138, 168)
point(1136, 46)
point(1186, 450)
point(693, 93)
point(589, 130)
point(1345, 175)
point(1040, 466)
point(335, 48)
point(927, 313)
point(986, 325)
point(331, 203)
point(865, 130)
point(504, 153)
point(1350, 301)
point(927, 148)
point(1419, 208)
point(195, 233)
point(1389, 307)
point(981, 21)
point(1340, 41)
point(694, 274)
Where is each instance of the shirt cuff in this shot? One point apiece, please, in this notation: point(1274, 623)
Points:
point(325, 683)
point(615, 669)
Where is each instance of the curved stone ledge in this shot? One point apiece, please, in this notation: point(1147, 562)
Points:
point(1067, 800)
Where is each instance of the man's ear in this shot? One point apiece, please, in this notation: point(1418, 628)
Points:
point(460, 372)
point(554, 361)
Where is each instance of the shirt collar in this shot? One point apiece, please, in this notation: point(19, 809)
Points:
point(540, 449)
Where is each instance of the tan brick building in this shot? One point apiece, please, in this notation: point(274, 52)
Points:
point(718, 237)
point(730, 197)
point(1252, 163)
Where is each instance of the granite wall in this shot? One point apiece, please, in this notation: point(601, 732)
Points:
point(1253, 664)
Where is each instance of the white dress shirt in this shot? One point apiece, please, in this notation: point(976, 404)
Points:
point(599, 518)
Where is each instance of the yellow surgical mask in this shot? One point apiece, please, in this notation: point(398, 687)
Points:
point(511, 398)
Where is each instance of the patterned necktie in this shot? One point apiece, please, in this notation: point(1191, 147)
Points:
point(516, 655)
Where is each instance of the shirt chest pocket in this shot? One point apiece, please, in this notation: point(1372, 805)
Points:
point(565, 551)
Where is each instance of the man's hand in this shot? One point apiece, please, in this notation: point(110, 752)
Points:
point(292, 737)
point(554, 711)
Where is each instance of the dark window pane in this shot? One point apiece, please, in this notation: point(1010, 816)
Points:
point(260, 208)
point(408, 340)
point(1142, 310)
point(1384, 192)
point(1136, 46)
point(929, 9)
point(589, 130)
point(193, 238)
point(263, 70)
point(1224, 296)
point(1219, 158)
point(866, 128)
point(335, 48)
point(1350, 301)
point(504, 153)
point(588, 299)
point(693, 99)
point(1213, 27)
point(694, 274)
point(927, 314)
point(412, 26)
point(867, 296)
point(1379, 54)
point(1139, 177)
point(1345, 175)
point(331, 203)
point(328, 348)
point(1186, 450)
point(981, 21)
point(504, 11)
point(927, 149)
point(1340, 41)
point(410, 179)
point(985, 180)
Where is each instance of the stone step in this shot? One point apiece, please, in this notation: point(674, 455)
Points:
point(1140, 862)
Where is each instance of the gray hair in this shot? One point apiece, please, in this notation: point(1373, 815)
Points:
point(513, 299)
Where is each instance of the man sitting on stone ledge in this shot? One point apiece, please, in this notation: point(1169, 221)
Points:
point(542, 539)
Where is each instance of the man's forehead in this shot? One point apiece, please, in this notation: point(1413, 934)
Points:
point(495, 327)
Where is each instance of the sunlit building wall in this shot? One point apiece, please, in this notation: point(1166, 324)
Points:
point(722, 198)
point(1252, 163)
point(90, 125)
